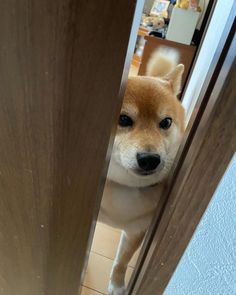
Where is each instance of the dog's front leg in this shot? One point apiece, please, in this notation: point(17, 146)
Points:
point(129, 243)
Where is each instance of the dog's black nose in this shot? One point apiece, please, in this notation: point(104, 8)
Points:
point(148, 161)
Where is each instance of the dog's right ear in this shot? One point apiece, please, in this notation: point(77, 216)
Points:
point(175, 78)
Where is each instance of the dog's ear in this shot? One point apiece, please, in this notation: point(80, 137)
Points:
point(175, 78)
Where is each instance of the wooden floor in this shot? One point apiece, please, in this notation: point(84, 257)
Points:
point(105, 243)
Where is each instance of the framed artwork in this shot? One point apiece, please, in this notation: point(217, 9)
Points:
point(160, 7)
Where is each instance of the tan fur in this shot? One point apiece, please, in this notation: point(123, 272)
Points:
point(129, 202)
point(128, 245)
point(162, 63)
point(152, 97)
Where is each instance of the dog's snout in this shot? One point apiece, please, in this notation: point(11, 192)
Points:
point(148, 161)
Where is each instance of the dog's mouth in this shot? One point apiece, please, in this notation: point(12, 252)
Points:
point(143, 172)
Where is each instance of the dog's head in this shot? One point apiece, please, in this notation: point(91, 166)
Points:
point(150, 129)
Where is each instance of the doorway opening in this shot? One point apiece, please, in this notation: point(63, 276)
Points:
point(196, 47)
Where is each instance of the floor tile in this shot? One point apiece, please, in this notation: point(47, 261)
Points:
point(87, 291)
point(105, 241)
point(98, 273)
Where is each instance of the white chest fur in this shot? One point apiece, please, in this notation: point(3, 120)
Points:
point(128, 207)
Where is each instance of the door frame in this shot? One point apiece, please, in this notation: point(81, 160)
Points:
point(203, 117)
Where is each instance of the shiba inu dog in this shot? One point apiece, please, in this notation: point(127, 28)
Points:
point(150, 129)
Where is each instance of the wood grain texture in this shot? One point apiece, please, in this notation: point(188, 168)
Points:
point(207, 159)
point(61, 66)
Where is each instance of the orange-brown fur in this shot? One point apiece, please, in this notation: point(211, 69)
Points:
point(151, 97)
point(128, 201)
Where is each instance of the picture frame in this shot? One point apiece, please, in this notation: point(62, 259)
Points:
point(160, 8)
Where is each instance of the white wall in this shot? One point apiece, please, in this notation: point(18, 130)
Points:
point(208, 266)
point(207, 52)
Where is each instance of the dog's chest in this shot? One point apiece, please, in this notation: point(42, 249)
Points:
point(122, 205)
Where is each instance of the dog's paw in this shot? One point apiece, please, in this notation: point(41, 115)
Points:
point(115, 290)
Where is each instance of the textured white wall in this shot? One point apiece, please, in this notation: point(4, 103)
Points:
point(208, 266)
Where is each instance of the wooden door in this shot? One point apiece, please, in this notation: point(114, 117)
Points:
point(205, 155)
point(61, 87)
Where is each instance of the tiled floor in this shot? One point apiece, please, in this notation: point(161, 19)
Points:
point(101, 257)
point(103, 251)
point(88, 291)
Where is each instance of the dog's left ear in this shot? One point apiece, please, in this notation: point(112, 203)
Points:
point(175, 78)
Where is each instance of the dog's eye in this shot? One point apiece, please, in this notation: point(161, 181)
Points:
point(165, 123)
point(125, 121)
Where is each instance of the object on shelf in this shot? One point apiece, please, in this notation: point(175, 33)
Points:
point(155, 22)
point(160, 8)
point(188, 4)
point(160, 33)
point(182, 25)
